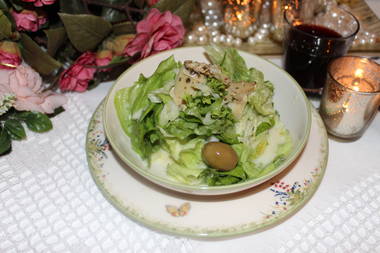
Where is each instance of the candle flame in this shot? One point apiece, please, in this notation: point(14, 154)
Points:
point(239, 15)
point(345, 106)
point(297, 22)
point(356, 81)
point(359, 73)
point(239, 2)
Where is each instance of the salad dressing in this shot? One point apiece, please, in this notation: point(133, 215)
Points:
point(187, 84)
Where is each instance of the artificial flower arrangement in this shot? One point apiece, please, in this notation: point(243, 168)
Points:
point(49, 47)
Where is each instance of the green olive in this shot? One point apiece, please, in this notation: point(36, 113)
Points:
point(220, 156)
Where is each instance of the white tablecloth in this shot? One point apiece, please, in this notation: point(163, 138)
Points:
point(49, 202)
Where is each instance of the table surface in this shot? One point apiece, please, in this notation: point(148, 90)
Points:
point(342, 216)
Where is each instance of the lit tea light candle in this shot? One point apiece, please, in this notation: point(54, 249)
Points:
point(357, 82)
point(351, 96)
point(240, 17)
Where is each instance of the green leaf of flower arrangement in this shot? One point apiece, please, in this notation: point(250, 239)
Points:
point(56, 112)
point(111, 14)
point(36, 57)
point(167, 5)
point(15, 129)
point(72, 6)
point(182, 9)
point(17, 6)
point(5, 141)
point(56, 38)
point(85, 31)
point(116, 61)
point(139, 3)
point(35, 121)
point(124, 28)
point(185, 10)
point(3, 5)
point(5, 26)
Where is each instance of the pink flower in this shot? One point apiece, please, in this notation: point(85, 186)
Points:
point(77, 76)
point(40, 3)
point(156, 33)
point(26, 85)
point(10, 55)
point(28, 20)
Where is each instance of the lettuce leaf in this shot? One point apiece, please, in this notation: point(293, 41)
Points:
point(187, 162)
point(153, 121)
point(138, 115)
point(261, 98)
point(214, 177)
point(203, 116)
point(231, 62)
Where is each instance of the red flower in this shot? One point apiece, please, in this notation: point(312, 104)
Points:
point(40, 3)
point(156, 33)
point(77, 76)
point(10, 56)
point(28, 20)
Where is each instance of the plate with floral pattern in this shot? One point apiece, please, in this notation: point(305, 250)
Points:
point(206, 216)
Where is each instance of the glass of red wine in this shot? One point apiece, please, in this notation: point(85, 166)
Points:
point(312, 39)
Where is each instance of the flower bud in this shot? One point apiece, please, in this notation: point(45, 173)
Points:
point(10, 55)
point(104, 54)
point(103, 58)
point(118, 44)
point(28, 20)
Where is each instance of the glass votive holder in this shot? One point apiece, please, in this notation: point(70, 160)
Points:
point(351, 96)
point(241, 17)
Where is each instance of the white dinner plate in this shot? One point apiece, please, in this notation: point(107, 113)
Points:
point(206, 216)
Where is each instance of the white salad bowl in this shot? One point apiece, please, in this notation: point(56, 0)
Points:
point(289, 100)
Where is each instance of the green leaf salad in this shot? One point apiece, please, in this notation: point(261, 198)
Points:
point(182, 106)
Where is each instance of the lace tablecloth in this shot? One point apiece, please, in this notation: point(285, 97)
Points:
point(49, 202)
